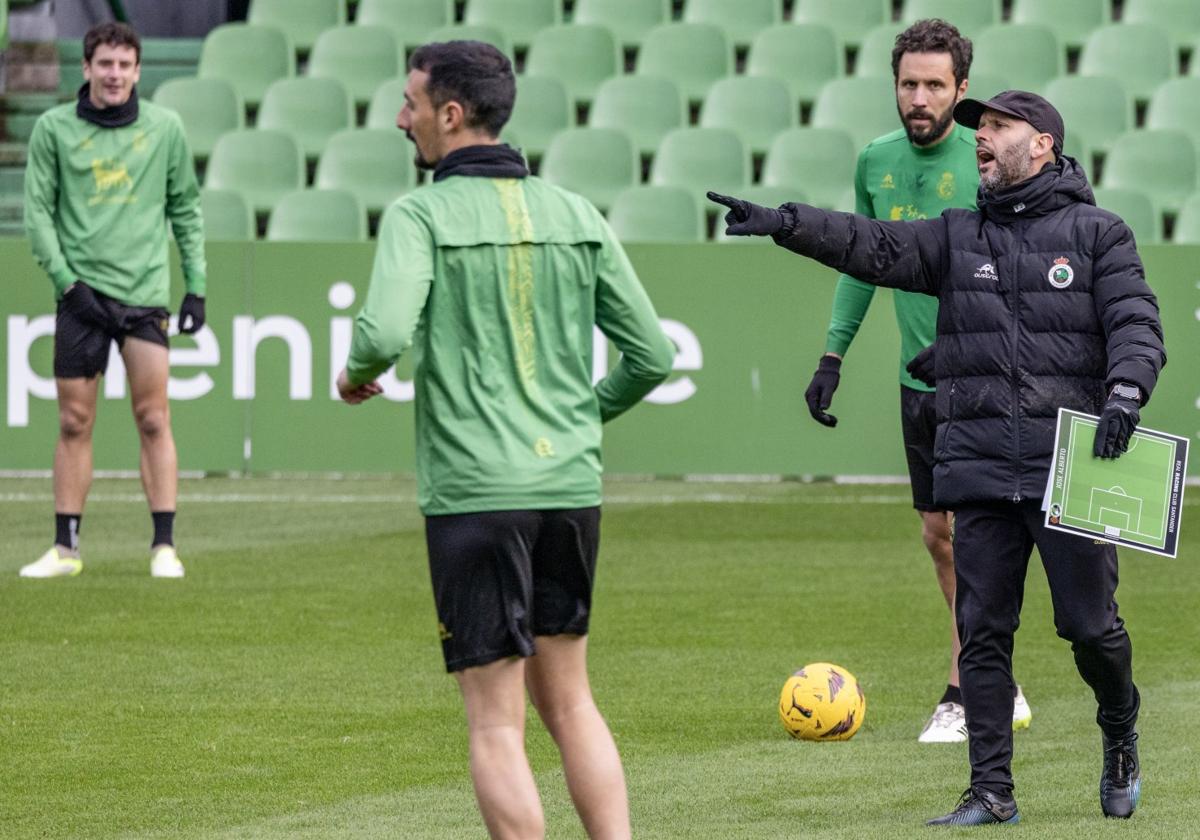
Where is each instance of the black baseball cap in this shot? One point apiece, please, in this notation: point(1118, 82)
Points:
point(1021, 104)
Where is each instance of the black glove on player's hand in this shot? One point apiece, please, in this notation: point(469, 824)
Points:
point(81, 301)
point(820, 391)
point(746, 218)
point(191, 314)
point(1117, 422)
point(921, 367)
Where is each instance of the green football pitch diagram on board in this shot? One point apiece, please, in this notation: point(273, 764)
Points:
point(1134, 500)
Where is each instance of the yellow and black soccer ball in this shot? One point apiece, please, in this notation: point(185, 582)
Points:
point(822, 702)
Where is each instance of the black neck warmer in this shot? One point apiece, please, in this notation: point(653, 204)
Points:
point(499, 161)
point(106, 117)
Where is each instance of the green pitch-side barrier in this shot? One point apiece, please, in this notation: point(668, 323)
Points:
point(253, 391)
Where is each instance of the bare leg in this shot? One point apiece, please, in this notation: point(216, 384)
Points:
point(73, 452)
point(494, 695)
point(935, 530)
point(558, 684)
point(146, 363)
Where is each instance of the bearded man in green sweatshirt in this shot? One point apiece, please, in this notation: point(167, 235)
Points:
point(915, 172)
point(105, 176)
point(495, 280)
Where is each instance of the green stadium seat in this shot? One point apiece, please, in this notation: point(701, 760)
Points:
point(1096, 107)
point(542, 109)
point(1139, 54)
point(970, 17)
point(302, 20)
point(693, 55)
point(310, 109)
point(1180, 19)
point(1176, 104)
point(766, 196)
point(580, 55)
point(657, 214)
point(646, 107)
point(986, 85)
point(208, 108)
point(318, 216)
point(473, 32)
point(1187, 223)
point(226, 215)
point(411, 20)
point(386, 102)
point(518, 19)
point(1027, 54)
point(247, 56)
point(1135, 208)
point(629, 20)
point(597, 163)
point(360, 57)
point(819, 162)
point(756, 107)
point(804, 55)
point(261, 164)
point(702, 159)
point(1159, 162)
point(1070, 20)
point(376, 164)
point(864, 107)
point(875, 55)
point(851, 20)
point(741, 21)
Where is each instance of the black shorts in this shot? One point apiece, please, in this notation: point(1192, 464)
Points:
point(918, 422)
point(501, 578)
point(81, 347)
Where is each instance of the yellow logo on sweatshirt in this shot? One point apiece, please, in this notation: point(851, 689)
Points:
point(888, 182)
point(945, 187)
point(111, 176)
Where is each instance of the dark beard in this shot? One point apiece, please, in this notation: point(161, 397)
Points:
point(932, 134)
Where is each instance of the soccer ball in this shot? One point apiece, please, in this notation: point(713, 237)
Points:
point(822, 702)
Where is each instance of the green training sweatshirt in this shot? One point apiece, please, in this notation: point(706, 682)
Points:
point(97, 203)
point(495, 284)
point(896, 180)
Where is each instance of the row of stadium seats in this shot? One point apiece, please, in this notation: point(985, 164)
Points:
point(758, 108)
point(640, 213)
point(801, 163)
point(518, 21)
point(693, 55)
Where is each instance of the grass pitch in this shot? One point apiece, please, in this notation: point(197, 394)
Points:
point(292, 685)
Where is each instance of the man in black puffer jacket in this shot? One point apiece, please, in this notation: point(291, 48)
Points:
point(1043, 304)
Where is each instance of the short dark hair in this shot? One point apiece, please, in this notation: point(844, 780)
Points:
point(934, 35)
point(113, 33)
point(475, 75)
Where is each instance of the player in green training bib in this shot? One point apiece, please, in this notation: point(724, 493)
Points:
point(106, 175)
point(495, 280)
point(915, 172)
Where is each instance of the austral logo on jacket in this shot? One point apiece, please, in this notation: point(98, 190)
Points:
point(986, 272)
point(1061, 274)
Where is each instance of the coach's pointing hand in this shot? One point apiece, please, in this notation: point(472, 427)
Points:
point(746, 218)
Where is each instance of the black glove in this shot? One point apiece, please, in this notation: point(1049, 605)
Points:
point(1118, 420)
point(191, 314)
point(81, 301)
point(820, 391)
point(921, 367)
point(746, 218)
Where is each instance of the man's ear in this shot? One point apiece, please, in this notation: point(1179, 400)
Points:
point(1040, 144)
point(451, 116)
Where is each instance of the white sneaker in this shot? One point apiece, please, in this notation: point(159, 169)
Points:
point(52, 564)
point(1022, 714)
point(165, 563)
point(947, 725)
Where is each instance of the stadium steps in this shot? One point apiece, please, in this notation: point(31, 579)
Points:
point(12, 184)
